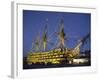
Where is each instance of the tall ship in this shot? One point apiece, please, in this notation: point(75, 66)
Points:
point(59, 54)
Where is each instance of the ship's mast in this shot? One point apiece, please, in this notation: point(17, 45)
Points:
point(37, 43)
point(45, 38)
point(61, 35)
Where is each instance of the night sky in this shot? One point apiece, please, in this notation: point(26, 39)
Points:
point(76, 26)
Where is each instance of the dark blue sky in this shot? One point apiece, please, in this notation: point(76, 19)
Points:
point(76, 26)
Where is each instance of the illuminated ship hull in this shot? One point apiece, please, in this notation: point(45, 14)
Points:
point(56, 57)
point(51, 57)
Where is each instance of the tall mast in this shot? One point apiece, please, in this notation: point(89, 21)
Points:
point(37, 43)
point(45, 36)
point(61, 35)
